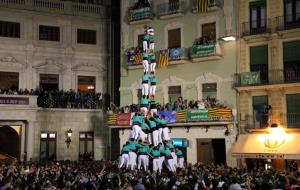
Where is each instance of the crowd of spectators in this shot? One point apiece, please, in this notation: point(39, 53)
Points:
point(205, 40)
point(93, 175)
point(177, 105)
point(61, 98)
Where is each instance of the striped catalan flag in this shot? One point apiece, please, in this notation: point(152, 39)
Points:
point(112, 119)
point(138, 58)
point(163, 59)
point(220, 112)
point(202, 6)
point(180, 115)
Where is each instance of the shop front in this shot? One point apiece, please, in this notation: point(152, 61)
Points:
point(271, 148)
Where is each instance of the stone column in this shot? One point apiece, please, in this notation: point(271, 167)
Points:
point(23, 131)
point(30, 140)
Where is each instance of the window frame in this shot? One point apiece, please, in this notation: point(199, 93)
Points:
point(53, 36)
point(85, 140)
point(13, 29)
point(47, 140)
point(86, 40)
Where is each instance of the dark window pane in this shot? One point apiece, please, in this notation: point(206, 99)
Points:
point(49, 33)
point(49, 82)
point(86, 36)
point(9, 80)
point(9, 29)
point(140, 40)
point(174, 93)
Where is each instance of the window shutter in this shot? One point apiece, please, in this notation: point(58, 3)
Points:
point(259, 55)
point(174, 38)
point(293, 103)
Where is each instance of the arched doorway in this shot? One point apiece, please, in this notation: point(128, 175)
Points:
point(10, 141)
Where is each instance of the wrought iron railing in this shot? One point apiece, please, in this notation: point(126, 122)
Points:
point(291, 120)
point(288, 22)
point(171, 8)
point(267, 77)
point(256, 27)
point(257, 121)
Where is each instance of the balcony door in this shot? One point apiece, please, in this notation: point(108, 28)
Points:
point(292, 13)
point(258, 14)
point(259, 104)
point(293, 110)
point(291, 59)
point(259, 62)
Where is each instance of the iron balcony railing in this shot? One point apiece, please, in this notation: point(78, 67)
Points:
point(139, 14)
point(171, 8)
point(291, 120)
point(267, 77)
point(211, 4)
point(256, 27)
point(262, 121)
point(288, 22)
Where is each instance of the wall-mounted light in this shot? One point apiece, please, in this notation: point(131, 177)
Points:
point(68, 137)
point(91, 87)
point(228, 38)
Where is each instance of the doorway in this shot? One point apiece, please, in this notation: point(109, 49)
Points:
point(10, 141)
point(211, 151)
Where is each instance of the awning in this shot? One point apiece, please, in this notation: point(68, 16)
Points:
point(266, 146)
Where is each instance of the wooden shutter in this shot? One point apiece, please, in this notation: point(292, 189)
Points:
point(174, 38)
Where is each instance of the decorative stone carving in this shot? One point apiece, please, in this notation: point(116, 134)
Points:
point(88, 67)
point(51, 65)
point(10, 62)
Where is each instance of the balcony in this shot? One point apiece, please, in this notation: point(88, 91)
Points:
point(206, 117)
point(206, 52)
point(18, 101)
point(287, 23)
point(134, 58)
point(256, 27)
point(289, 120)
point(270, 77)
point(171, 10)
point(57, 6)
point(139, 15)
point(212, 6)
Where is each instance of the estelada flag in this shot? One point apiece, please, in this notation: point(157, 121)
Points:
point(163, 59)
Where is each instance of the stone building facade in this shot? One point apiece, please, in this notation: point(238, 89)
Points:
point(64, 39)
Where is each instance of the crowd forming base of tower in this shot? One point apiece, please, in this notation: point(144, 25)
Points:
point(149, 141)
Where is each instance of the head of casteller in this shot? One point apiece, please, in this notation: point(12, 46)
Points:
point(150, 31)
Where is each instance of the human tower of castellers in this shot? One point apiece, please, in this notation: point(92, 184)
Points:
point(149, 138)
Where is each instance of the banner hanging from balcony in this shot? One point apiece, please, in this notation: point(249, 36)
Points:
point(163, 59)
point(176, 53)
point(123, 119)
point(202, 6)
point(250, 78)
point(211, 114)
point(170, 116)
point(202, 50)
point(138, 14)
point(196, 115)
